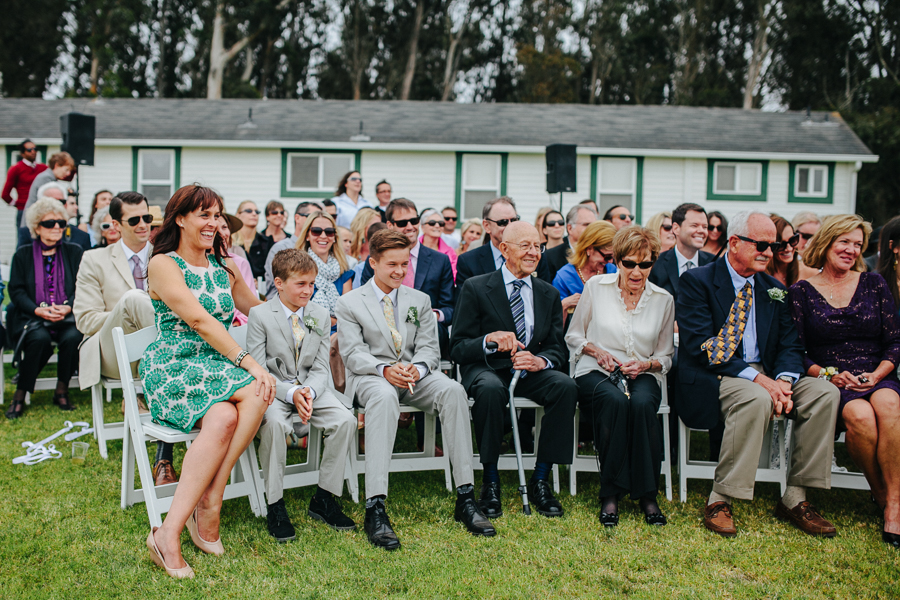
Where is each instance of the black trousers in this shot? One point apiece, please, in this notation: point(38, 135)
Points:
point(37, 350)
point(556, 392)
point(627, 433)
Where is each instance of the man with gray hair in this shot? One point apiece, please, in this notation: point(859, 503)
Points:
point(496, 215)
point(577, 219)
point(740, 362)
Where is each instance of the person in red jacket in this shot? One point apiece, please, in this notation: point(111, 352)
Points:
point(20, 176)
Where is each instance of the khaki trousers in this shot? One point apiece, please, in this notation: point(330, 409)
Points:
point(747, 409)
point(436, 393)
point(337, 424)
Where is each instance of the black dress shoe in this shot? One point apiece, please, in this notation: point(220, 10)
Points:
point(279, 523)
point(378, 528)
point(541, 497)
point(892, 539)
point(468, 513)
point(17, 407)
point(609, 519)
point(62, 401)
point(329, 512)
point(489, 502)
point(656, 519)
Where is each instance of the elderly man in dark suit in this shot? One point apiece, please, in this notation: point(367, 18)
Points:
point(496, 215)
point(577, 220)
point(523, 316)
point(740, 362)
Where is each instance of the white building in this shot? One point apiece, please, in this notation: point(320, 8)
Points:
point(650, 158)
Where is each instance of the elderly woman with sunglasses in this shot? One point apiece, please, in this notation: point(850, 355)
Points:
point(106, 231)
point(432, 225)
point(621, 336)
point(591, 256)
point(41, 292)
point(335, 278)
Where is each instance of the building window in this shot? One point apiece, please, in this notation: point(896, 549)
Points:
point(314, 173)
point(156, 173)
point(616, 183)
point(737, 180)
point(480, 178)
point(811, 182)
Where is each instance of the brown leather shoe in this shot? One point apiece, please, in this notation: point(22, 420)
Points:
point(142, 406)
point(717, 518)
point(806, 518)
point(164, 472)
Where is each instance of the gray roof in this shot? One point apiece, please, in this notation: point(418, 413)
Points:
point(642, 127)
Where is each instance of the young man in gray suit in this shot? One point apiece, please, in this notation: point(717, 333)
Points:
point(388, 340)
point(289, 335)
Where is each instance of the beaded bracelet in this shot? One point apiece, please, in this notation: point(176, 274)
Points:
point(241, 356)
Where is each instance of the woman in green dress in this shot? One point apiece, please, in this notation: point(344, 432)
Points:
point(194, 374)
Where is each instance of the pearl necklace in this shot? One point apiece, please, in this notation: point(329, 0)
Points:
point(581, 275)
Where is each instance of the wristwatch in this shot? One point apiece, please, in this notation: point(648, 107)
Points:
point(787, 378)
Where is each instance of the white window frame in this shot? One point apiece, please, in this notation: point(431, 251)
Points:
point(465, 188)
point(323, 185)
point(757, 191)
point(141, 181)
point(614, 191)
point(812, 168)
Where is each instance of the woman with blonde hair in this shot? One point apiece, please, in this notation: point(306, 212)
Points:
point(359, 246)
point(847, 321)
point(470, 235)
point(255, 244)
point(319, 238)
point(661, 225)
point(592, 255)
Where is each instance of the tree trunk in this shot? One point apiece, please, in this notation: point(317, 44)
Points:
point(758, 55)
point(248, 65)
point(95, 71)
point(161, 63)
point(454, 52)
point(413, 51)
point(219, 57)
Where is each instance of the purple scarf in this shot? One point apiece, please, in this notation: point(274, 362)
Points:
point(57, 279)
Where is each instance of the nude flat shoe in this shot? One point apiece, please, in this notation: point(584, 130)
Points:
point(215, 547)
point(185, 572)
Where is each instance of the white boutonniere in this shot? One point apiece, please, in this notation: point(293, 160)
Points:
point(777, 294)
point(313, 325)
point(412, 316)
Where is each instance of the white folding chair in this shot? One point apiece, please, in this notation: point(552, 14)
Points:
point(140, 429)
point(106, 432)
point(850, 480)
point(704, 469)
point(589, 462)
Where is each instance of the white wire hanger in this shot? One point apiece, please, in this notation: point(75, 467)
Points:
point(39, 452)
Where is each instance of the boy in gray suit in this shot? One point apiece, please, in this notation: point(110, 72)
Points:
point(388, 339)
point(290, 337)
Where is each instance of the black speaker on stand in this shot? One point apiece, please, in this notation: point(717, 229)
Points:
point(78, 137)
point(561, 173)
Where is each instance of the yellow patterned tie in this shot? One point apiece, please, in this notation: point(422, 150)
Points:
point(392, 324)
point(298, 335)
point(721, 348)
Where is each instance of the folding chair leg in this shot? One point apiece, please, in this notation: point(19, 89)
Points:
point(259, 483)
point(573, 470)
point(244, 470)
point(99, 427)
point(683, 450)
point(148, 487)
point(350, 477)
point(667, 456)
point(127, 468)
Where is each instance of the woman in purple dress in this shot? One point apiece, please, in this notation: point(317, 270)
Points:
point(848, 323)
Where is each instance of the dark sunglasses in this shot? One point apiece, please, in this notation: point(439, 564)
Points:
point(250, 211)
point(51, 223)
point(433, 223)
point(387, 191)
point(763, 246)
point(624, 216)
point(301, 215)
point(404, 222)
point(793, 240)
point(317, 231)
point(606, 257)
point(454, 219)
point(105, 226)
point(355, 179)
point(504, 222)
point(806, 236)
point(275, 212)
point(29, 149)
point(666, 227)
point(717, 228)
point(559, 223)
point(630, 264)
point(133, 221)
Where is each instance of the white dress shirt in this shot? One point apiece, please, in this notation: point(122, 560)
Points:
point(526, 292)
point(423, 369)
point(414, 264)
point(288, 313)
point(143, 256)
point(683, 261)
point(347, 209)
point(495, 251)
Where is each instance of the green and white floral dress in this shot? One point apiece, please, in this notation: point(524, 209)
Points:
point(183, 376)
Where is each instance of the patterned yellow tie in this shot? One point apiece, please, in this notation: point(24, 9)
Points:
point(392, 325)
point(721, 348)
point(298, 335)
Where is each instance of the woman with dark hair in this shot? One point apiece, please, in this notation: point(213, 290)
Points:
point(888, 255)
point(553, 228)
point(276, 218)
point(194, 374)
point(717, 240)
point(101, 200)
point(785, 264)
point(348, 198)
point(42, 292)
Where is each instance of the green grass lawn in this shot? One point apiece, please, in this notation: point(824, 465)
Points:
point(63, 535)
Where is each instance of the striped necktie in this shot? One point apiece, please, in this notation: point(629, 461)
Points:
point(721, 348)
point(518, 309)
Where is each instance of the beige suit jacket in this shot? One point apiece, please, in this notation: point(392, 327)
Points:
point(271, 343)
point(103, 277)
point(365, 340)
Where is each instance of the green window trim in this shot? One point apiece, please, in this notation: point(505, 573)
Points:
point(638, 182)
point(457, 202)
point(285, 193)
point(828, 199)
point(42, 152)
point(763, 186)
point(135, 155)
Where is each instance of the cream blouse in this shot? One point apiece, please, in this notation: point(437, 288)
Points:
point(645, 333)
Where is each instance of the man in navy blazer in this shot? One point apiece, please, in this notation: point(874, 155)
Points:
point(496, 215)
point(761, 377)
